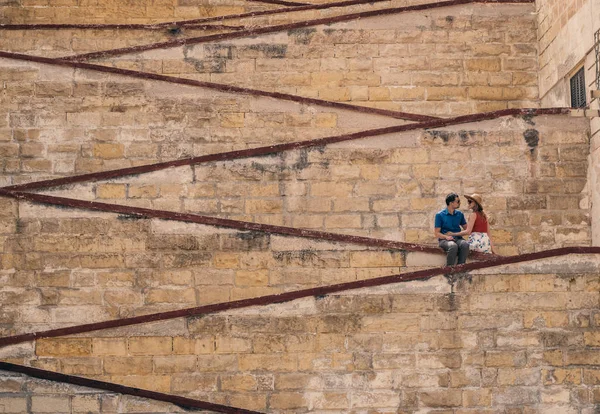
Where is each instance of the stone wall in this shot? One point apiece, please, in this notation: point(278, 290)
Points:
point(60, 123)
point(570, 26)
point(526, 338)
point(594, 179)
point(66, 267)
point(65, 41)
point(124, 12)
point(531, 173)
point(517, 339)
point(54, 122)
point(566, 33)
point(21, 394)
point(444, 61)
point(449, 61)
point(553, 16)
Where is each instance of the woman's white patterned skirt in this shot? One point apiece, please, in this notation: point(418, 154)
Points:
point(480, 242)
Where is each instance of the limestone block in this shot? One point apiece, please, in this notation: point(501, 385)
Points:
point(174, 364)
point(14, 351)
point(109, 346)
point(441, 398)
point(44, 404)
point(84, 403)
point(562, 376)
point(157, 296)
point(128, 365)
point(252, 278)
point(64, 347)
point(52, 89)
point(545, 319)
point(81, 366)
point(521, 64)
point(342, 221)
point(353, 205)
point(490, 93)
point(376, 259)
point(36, 165)
point(159, 383)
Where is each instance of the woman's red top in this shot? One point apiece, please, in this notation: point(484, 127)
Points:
point(481, 224)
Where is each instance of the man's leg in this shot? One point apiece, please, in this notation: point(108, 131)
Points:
point(451, 250)
point(463, 250)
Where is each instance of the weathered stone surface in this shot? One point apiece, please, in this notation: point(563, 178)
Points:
point(516, 339)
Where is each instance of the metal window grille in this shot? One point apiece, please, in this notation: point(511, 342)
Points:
point(578, 89)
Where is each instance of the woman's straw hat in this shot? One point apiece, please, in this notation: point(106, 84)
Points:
point(476, 198)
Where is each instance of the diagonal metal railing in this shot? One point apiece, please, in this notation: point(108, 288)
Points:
point(281, 2)
point(298, 294)
point(216, 221)
point(14, 191)
point(199, 23)
point(109, 26)
point(194, 22)
point(183, 402)
point(282, 27)
point(215, 86)
point(273, 149)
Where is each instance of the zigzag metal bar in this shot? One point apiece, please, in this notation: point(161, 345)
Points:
point(183, 402)
point(185, 23)
point(272, 149)
point(279, 28)
point(112, 26)
point(281, 2)
point(347, 3)
point(209, 27)
point(234, 224)
point(216, 86)
point(300, 8)
point(215, 221)
point(289, 296)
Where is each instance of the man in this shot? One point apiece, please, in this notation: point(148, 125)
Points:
point(452, 220)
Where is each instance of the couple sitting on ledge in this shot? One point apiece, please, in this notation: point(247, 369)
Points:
point(451, 226)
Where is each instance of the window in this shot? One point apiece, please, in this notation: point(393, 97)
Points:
point(578, 89)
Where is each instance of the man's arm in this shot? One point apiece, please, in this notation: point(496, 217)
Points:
point(439, 235)
point(437, 230)
point(468, 228)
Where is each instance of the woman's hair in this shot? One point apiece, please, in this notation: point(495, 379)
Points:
point(478, 208)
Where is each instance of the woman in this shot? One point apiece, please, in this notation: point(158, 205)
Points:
point(477, 227)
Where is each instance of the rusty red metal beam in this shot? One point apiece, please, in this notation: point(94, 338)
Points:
point(281, 2)
point(216, 86)
point(183, 402)
point(208, 27)
point(273, 149)
point(215, 221)
point(302, 8)
point(279, 28)
point(289, 296)
point(192, 22)
point(83, 26)
point(227, 223)
point(196, 22)
point(345, 3)
point(183, 23)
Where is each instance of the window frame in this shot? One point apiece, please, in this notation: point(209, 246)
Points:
point(577, 88)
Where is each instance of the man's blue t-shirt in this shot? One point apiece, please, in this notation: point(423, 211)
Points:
point(449, 222)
